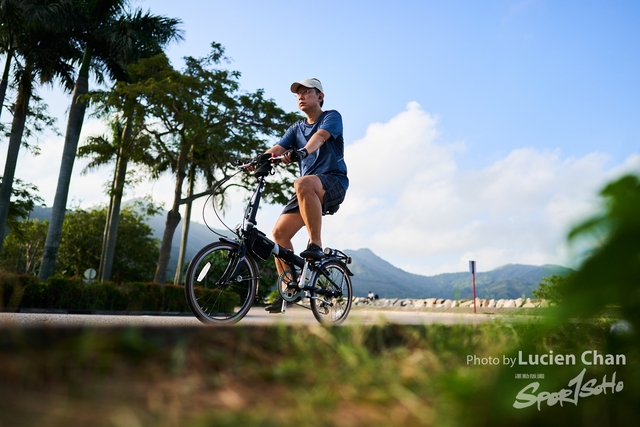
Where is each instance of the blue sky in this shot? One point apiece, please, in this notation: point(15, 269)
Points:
point(497, 73)
point(474, 129)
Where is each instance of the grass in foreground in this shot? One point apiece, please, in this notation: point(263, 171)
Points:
point(382, 375)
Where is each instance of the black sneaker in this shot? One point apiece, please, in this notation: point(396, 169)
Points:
point(313, 251)
point(275, 306)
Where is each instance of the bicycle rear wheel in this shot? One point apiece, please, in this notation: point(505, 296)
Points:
point(333, 287)
point(220, 286)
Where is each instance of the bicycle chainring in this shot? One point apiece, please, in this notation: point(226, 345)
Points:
point(288, 288)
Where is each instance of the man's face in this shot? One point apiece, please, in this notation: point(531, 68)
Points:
point(308, 98)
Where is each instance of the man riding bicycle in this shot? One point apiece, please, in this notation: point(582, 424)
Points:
point(318, 144)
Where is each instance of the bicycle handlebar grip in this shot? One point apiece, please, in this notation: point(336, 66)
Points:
point(263, 165)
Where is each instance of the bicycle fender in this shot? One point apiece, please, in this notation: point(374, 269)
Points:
point(226, 240)
point(346, 267)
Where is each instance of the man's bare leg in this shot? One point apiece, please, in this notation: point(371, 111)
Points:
point(286, 227)
point(310, 197)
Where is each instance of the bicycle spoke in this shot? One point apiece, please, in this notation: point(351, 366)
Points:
point(332, 293)
point(213, 296)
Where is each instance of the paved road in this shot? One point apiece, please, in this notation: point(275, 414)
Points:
point(256, 316)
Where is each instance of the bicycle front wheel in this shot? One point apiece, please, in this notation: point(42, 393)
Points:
point(331, 294)
point(220, 285)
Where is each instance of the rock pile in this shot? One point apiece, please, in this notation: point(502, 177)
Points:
point(417, 304)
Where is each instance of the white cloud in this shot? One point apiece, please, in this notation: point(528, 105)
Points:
point(43, 169)
point(410, 204)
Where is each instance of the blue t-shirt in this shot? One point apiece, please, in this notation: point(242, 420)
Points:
point(329, 158)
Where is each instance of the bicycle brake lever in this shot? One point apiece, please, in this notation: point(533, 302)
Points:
point(237, 162)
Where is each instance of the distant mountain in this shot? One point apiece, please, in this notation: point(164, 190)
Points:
point(199, 236)
point(372, 273)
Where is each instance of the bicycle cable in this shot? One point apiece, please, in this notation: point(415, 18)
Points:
point(215, 209)
point(213, 193)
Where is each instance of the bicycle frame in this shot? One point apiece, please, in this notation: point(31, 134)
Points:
point(249, 225)
point(324, 281)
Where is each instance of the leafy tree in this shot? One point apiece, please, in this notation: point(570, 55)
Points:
point(196, 118)
point(25, 198)
point(184, 238)
point(24, 246)
point(609, 275)
point(112, 38)
point(81, 243)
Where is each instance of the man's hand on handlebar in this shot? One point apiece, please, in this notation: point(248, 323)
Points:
point(261, 159)
point(294, 155)
point(286, 158)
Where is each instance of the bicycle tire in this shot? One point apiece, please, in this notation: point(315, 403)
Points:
point(213, 301)
point(337, 309)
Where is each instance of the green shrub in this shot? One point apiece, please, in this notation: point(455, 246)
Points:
point(608, 277)
point(552, 289)
point(59, 293)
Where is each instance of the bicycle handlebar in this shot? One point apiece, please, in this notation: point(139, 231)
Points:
point(244, 164)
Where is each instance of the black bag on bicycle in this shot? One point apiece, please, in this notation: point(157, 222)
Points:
point(259, 244)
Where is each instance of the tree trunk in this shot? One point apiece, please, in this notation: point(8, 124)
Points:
point(173, 219)
point(5, 79)
point(185, 229)
point(31, 255)
point(25, 91)
point(107, 221)
point(111, 232)
point(74, 127)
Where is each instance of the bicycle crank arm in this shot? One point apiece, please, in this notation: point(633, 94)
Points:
point(323, 300)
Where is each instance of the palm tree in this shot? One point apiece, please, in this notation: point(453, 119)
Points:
point(113, 39)
point(124, 146)
point(103, 150)
point(42, 56)
point(9, 25)
point(17, 16)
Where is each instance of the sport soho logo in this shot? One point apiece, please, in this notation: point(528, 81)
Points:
point(577, 388)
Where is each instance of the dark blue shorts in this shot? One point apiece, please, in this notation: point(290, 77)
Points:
point(333, 196)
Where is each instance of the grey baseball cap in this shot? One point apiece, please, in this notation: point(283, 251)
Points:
point(312, 83)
